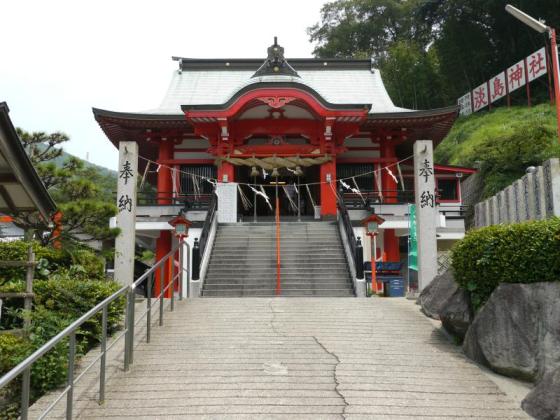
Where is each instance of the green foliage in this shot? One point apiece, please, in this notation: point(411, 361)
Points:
point(13, 350)
point(50, 259)
point(57, 304)
point(411, 75)
point(82, 192)
point(520, 253)
point(502, 143)
point(73, 298)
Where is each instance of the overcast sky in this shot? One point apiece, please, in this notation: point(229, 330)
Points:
point(60, 58)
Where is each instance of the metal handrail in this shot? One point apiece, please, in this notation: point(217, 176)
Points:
point(347, 224)
point(367, 198)
point(24, 368)
point(212, 207)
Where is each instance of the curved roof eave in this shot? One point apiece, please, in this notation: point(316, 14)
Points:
point(22, 167)
point(276, 85)
point(437, 112)
point(140, 116)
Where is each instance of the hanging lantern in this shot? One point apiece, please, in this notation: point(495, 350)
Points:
point(254, 172)
point(275, 173)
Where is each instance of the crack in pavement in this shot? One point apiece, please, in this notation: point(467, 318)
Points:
point(321, 345)
point(273, 319)
point(335, 377)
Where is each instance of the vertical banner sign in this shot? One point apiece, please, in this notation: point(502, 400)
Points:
point(413, 247)
point(516, 76)
point(536, 65)
point(426, 212)
point(465, 105)
point(497, 87)
point(480, 97)
point(126, 216)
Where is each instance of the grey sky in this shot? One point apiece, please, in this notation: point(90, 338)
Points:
point(59, 58)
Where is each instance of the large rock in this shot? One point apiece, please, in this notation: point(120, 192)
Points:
point(543, 402)
point(517, 332)
point(456, 315)
point(433, 298)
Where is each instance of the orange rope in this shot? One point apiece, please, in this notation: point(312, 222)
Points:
point(277, 247)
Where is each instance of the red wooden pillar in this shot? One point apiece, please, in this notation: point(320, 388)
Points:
point(226, 172)
point(390, 240)
point(164, 183)
point(163, 246)
point(328, 196)
point(164, 190)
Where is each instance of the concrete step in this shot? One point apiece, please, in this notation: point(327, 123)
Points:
point(284, 285)
point(304, 264)
point(257, 247)
point(214, 271)
point(286, 293)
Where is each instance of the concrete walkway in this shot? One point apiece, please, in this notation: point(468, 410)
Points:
point(316, 358)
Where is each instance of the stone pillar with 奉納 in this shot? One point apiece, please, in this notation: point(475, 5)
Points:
point(426, 212)
point(126, 216)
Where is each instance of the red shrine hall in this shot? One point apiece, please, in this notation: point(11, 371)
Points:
point(284, 123)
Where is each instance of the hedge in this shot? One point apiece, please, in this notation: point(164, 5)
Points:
point(527, 252)
point(53, 259)
point(57, 303)
point(79, 262)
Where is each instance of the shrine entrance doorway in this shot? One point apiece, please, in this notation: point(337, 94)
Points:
point(293, 191)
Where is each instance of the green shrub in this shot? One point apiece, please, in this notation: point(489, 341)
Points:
point(73, 298)
point(521, 253)
point(49, 260)
point(57, 304)
point(86, 265)
point(13, 350)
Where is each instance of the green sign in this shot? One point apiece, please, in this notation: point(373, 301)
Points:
point(413, 240)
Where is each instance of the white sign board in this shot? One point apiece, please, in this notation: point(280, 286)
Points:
point(516, 76)
point(465, 104)
point(498, 87)
point(227, 202)
point(536, 65)
point(480, 97)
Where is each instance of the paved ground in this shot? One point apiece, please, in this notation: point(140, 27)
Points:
point(316, 358)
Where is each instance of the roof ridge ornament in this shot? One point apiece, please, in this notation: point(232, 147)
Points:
point(275, 63)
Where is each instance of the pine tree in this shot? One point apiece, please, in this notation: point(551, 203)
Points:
point(81, 193)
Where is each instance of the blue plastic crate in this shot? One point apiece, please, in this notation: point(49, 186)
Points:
point(394, 284)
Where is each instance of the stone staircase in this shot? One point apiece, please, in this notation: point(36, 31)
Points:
point(243, 261)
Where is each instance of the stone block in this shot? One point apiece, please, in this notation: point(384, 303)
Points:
point(551, 171)
point(539, 191)
point(516, 332)
point(502, 204)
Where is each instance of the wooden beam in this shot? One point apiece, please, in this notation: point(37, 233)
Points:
point(8, 178)
point(8, 200)
point(8, 295)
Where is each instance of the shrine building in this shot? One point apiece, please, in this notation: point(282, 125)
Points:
point(294, 125)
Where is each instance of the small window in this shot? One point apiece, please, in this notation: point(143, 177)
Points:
point(448, 189)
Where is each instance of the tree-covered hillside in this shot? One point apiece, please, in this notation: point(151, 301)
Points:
point(502, 143)
point(431, 52)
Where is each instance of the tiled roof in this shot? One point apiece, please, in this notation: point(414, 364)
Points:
point(336, 86)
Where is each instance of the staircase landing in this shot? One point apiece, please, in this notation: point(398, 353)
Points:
point(298, 358)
